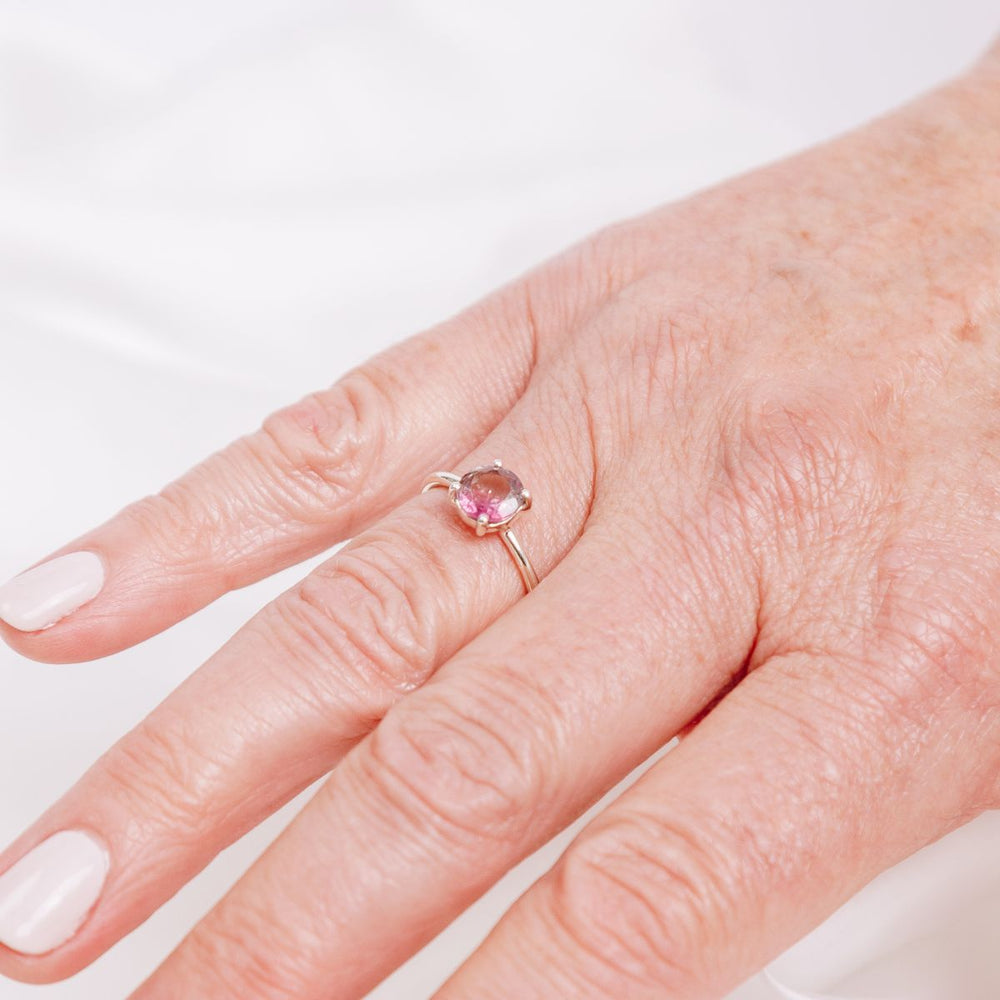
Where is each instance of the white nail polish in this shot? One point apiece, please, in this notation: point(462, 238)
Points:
point(48, 593)
point(46, 896)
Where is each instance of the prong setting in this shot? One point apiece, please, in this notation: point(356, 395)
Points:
point(488, 499)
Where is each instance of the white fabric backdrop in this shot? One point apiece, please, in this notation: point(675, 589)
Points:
point(207, 207)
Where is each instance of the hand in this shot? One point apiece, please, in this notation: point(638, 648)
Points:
point(761, 430)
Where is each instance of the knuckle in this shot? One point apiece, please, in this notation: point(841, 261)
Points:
point(937, 656)
point(228, 952)
point(640, 899)
point(928, 670)
point(465, 768)
point(671, 347)
point(614, 257)
point(183, 530)
point(163, 781)
point(676, 345)
point(801, 459)
point(324, 446)
point(366, 615)
point(306, 461)
point(930, 617)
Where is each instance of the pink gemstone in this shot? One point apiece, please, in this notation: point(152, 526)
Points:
point(491, 490)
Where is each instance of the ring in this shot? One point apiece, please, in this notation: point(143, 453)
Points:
point(488, 499)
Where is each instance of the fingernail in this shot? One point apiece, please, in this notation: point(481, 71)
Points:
point(46, 896)
point(48, 593)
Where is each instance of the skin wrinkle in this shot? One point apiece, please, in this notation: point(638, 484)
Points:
point(158, 784)
point(797, 576)
point(398, 618)
point(838, 725)
point(533, 330)
point(453, 821)
point(614, 961)
point(594, 464)
point(347, 653)
point(329, 440)
point(348, 692)
point(937, 640)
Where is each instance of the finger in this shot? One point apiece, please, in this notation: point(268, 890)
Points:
point(314, 474)
point(792, 794)
point(514, 737)
point(278, 706)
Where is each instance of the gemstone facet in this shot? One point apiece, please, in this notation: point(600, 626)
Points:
point(492, 492)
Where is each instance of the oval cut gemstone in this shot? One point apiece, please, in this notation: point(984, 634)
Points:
point(491, 490)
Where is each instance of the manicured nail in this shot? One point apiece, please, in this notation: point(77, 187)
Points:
point(46, 896)
point(48, 593)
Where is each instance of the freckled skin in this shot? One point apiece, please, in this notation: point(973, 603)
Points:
point(760, 428)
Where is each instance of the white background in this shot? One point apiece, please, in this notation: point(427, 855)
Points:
point(210, 207)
